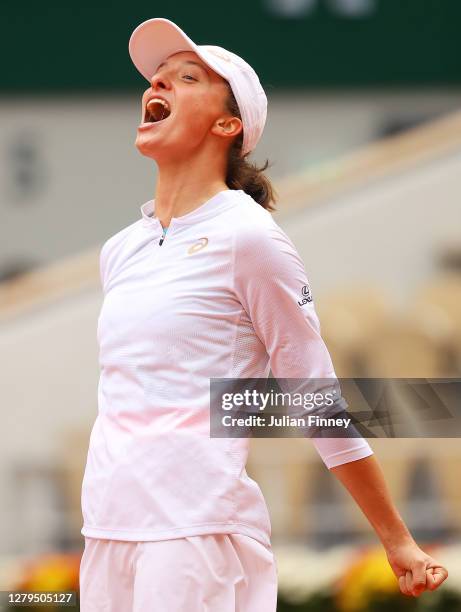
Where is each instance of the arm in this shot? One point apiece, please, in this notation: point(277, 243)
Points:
point(416, 571)
point(269, 277)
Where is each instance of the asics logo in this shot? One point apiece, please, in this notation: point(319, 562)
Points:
point(198, 246)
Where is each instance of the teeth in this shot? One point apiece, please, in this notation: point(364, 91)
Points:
point(154, 106)
point(158, 100)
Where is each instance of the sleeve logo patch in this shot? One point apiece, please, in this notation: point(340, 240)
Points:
point(307, 295)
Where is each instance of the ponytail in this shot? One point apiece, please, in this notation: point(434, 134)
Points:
point(242, 174)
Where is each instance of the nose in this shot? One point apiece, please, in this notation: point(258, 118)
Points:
point(158, 80)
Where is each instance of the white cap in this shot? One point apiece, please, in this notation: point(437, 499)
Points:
point(156, 39)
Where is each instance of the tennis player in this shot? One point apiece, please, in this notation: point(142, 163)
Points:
point(203, 284)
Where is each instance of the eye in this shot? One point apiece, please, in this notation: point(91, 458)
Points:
point(191, 77)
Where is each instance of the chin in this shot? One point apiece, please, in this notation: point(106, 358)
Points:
point(144, 147)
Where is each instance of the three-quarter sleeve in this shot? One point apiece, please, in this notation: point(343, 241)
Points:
point(271, 283)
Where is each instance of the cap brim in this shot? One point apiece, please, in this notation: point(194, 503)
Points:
point(154, 40)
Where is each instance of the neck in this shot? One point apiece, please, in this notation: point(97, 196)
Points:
point(185, 185)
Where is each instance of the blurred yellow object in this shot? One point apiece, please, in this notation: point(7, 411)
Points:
point(368, 576)
point(51, 572)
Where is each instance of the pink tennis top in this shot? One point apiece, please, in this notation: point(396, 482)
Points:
point(218, 298)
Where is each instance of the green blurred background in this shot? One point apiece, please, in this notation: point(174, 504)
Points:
point(64, 45)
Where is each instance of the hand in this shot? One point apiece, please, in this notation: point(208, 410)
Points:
point(416, 571)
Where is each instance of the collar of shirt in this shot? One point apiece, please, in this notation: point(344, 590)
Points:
point(210, 208)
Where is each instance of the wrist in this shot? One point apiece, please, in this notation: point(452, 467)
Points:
point(398, 536)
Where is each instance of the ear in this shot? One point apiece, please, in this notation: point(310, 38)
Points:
point(228, 127)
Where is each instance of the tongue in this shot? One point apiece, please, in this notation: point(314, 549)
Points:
point(158, 111)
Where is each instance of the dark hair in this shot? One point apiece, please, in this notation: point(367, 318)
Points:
point(242, 174)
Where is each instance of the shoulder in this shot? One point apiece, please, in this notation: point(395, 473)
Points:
point(113, 246)
point(117, 239)
point(257, 234)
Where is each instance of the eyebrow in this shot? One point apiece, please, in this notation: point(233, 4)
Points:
point(186, 62)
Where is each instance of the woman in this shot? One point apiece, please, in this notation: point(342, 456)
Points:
point(205, 284)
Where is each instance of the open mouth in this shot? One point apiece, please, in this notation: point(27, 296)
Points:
point(156, 110)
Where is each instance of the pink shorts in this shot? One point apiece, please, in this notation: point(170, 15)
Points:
point(205, 573)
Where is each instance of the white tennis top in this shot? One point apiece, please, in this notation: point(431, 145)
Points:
point(218, 298)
